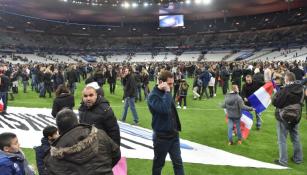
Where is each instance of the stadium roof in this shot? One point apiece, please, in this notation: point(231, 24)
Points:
point(101, 11)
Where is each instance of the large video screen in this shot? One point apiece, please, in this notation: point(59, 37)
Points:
point(171, 21)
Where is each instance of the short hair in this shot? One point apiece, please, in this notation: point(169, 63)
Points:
point(49, 131)
point(164, 75)
point(66, 119)
point(61, 89)
point(6, 139)
point(290, 76)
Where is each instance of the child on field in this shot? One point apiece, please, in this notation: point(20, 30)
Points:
point(50, 134)
point(183, 91)
point(12, 159)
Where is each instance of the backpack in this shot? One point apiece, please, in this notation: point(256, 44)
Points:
point(184, 86)
point(292, 113)
point(199, 82)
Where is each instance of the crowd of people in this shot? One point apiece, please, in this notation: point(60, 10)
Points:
point(90, 144)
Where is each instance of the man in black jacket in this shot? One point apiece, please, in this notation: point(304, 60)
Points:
point(95, 110)
point(111, 76)
point(4, 88)
point(291, 94)
point(72, 78)
point(81, 149)
point(248, 89)
point(129, 95)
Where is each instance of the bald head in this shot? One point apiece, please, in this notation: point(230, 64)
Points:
point(89, 96)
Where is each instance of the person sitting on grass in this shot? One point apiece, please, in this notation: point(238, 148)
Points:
point(234, 104)
point(12, 159)
point(50, 134)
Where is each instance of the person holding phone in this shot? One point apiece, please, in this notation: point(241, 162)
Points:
point(166, 125)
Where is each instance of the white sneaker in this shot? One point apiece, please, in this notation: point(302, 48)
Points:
point(215, 95)
point(184, 107)
point(123, 101)
point(178, 107)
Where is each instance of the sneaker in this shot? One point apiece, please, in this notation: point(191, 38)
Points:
point(279, 163)
point(230, 143)
point(239, 142)
point(296, 162)
point(123, 101)
point(214, 95)
point(184, 107)
point(135, 124)
point(178, 107)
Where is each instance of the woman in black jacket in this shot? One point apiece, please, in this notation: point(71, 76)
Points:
point(63, 100)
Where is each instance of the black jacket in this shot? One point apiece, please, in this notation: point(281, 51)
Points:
point(299, 73)
point(64, 100)
point(248, 90)
point(101, 115)
point(5, 83)
point(41, 152)
point(72, 76)
point(129, 86)
point(111, 78)
point(290, 94)
point(83, 150)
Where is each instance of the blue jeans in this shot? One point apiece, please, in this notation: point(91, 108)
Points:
point(129, 101)
point(258, 120)
point(42, 89)
point(230, 128)
point(3, 96)
point(282, 131)
point(161, 148)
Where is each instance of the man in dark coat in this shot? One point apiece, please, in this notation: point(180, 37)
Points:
point(95, 110)
point(291, 94)
point(248, 89)
point(165, 124)
point(129, 95)
point(111, 76)
point(81, 149)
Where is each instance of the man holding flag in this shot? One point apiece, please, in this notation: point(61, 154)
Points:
point(234, 105)
point(248, 89)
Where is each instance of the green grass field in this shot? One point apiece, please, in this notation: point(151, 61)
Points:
point(203, 122)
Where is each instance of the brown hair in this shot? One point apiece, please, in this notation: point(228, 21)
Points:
point(164, 75)
point(61, 89)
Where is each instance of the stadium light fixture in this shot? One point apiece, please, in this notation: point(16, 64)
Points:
point(197, 1)
point(145, 4)
point(207, 1)
point(83, 28)
point(126, 5)
point(134, 5)
point(188, 1)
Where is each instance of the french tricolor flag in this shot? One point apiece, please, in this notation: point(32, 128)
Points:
point(261, 99)
point(246, 123)
point(1, 105)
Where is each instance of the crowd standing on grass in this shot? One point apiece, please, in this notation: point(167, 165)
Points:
point(97, 124)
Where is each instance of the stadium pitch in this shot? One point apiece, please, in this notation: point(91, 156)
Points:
point(206, 127)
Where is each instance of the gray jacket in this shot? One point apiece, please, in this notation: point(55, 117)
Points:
point(234, 105)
